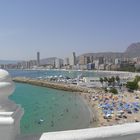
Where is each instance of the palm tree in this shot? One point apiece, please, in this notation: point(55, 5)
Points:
point(118, 79)
point(109, 81)
point(105, 80)
point(113, 81)
point(101, 80)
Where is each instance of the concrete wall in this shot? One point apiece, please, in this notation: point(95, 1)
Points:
point(130, 131)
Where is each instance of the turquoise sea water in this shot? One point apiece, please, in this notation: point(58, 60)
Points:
point(50, 110)
point(45, 73)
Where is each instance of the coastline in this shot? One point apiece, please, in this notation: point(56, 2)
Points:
point(95, 99)
point(84, 94)
point(133, 74)
point(92, 110)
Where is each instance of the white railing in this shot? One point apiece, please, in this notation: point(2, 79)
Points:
point(130, 131)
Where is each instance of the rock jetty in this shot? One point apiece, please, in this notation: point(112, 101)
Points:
point(54, 85)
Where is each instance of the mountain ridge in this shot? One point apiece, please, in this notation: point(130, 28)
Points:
point(133, 50)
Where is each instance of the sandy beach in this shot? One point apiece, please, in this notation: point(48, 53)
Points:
point(126, 107)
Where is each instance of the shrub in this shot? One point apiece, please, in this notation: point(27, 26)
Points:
point(114, 91)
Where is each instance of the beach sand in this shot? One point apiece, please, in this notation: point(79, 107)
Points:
point(95, 99)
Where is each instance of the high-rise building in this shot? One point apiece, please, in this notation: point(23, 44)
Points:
point(83, 60)
point(101, 60)
point(117, 61)
point(66, 61)
point(72, 59)
point(96, 62)
point(57, 63)
point(38, 58)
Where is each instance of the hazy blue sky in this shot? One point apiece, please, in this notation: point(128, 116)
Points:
point(59, 27)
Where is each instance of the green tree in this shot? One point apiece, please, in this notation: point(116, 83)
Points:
point(105, 79)
point(137, 79)
point(105, 90)
point(114, 91)
point(118, 79)
point(112, 81)
point(101, 80)
point(132, 85)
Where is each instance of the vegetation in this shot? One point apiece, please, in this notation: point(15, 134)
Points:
point(137, 79)
point(110, 81)
point(105, 90)
point(101, 80)
point(105, 79)
point(118, 79)
point(133, 85)
point(114, 91)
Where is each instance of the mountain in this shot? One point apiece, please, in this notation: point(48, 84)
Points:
point(133, 50)
point(105, 54)
point(48, 61)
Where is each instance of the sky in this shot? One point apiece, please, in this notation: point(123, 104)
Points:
point(60, 27)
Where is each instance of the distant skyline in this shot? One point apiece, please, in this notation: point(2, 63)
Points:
point(60, 27)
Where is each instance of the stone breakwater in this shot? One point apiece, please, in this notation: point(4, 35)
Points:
point(54, 85)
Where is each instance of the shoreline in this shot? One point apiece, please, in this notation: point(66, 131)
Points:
point(84, 93)
point(120, 107)
point(128, 73)
point(112, 71)
point(92, 111)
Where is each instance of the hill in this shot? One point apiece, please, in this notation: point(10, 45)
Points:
point(105, 54)
point(133, 50)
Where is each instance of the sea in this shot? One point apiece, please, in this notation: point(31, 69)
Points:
point(46, 73)
point(46, 109)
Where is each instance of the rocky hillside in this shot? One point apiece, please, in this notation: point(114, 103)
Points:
point(133, 50)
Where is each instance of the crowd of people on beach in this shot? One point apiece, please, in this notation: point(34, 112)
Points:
point(115, 109)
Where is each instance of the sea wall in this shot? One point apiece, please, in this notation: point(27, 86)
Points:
point(54, 85)
point(130, 131)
